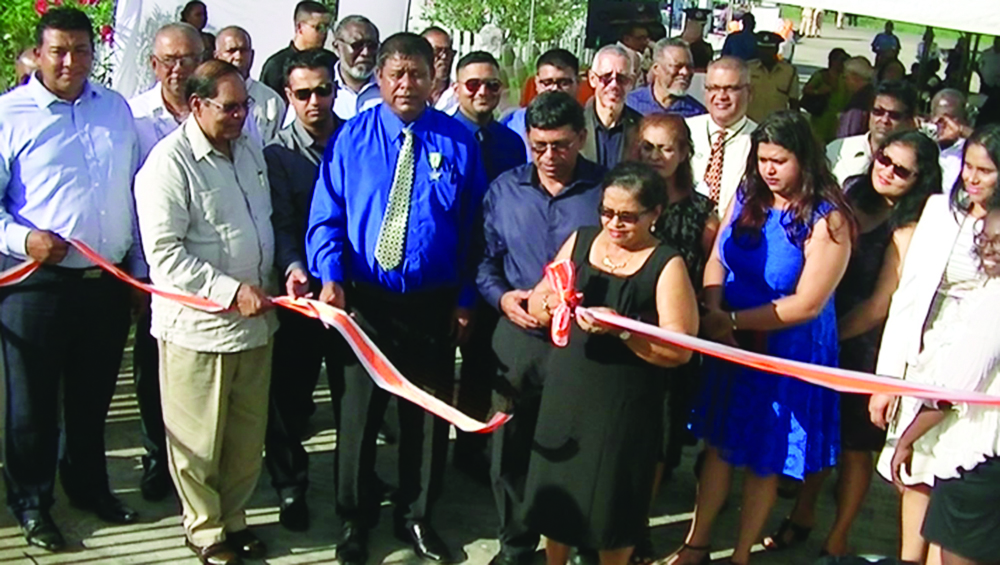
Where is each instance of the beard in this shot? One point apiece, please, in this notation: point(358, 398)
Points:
point(359, 72)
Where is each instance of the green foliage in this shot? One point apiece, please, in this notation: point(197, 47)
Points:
point(17, 31)
point(552, 17)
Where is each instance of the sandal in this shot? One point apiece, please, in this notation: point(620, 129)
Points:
point(705, 560)
point(779, 540)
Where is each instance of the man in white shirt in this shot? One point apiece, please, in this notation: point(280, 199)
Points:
point(443, 97)
point(949, 116)
point(356, 41)
point(215, 367)
point(893, 109)
point(722, 137)
point(233, 45)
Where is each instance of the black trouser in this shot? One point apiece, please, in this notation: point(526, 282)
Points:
point(414, 331)
point(475, 377)
point(67, 325)
point(300, 347)
point(522, 357)
point(146, 371)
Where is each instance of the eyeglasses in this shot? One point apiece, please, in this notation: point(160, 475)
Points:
point(900, 171)
point(321, 91)
point(561, 83)
point(443, 52)
point(183, 60)
point(556, 146)
point(893, 115)
point(724, 88)
point(232, 107)
point(473, 85)
point(360, 45)
point(621, 78)
point(625, 217)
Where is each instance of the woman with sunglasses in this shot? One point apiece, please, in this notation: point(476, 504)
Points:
point(769, 283)
point(598, 428)
point(934, 282)
point(887, 203)
point(963, 516)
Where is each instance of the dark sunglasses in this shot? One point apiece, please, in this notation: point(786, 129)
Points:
point(321, 91)
point(359, 45)
point(557, 82)
point(893, 115)
point(473, 85)
point(900, 171)
point(621, 79)
point(625, 217)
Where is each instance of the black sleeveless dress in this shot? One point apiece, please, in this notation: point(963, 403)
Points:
point(600, 424)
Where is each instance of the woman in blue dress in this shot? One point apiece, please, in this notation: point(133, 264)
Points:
point(769, 285)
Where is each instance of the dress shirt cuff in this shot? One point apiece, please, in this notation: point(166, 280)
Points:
point(331, 272)
point(494, 292)
point(223, 291)
point(467, 296)
point(16, 238)
point(296, 265)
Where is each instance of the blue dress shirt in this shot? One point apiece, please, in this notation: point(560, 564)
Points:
point(500, 147)
point(742, 44)
point(352, 193)
point(524, 226)
point(68, 167)
point(642, 100)
point(518, 123)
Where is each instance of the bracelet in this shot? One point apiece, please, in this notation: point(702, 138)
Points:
point(732, 318)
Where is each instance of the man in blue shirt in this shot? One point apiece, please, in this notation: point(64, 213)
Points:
point(68, 152)
point(672, 71)
point(742, 44)
point(389, 234)
point(556, 69)
point(477, 90)
point(528, 213)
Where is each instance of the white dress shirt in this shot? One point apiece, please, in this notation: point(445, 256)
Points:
point(349, 103)
point(734, 159)
point(849, 156)
point(268, 109)
point(206, 227)
point(448, 102)
point(68, 167)
point(951, 165)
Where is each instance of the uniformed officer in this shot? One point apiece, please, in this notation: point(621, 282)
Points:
point(694, 33)
point(774, 84)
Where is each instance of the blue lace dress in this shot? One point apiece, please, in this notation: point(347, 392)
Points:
point(770, 423)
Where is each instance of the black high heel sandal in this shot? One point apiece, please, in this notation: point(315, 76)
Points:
point(780, 540)
point(705, 560)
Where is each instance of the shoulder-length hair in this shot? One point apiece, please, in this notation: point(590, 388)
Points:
point(678, 128)
point(790, 130)
point(987, 137)
point(863, 196)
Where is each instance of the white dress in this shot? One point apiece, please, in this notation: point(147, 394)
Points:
point(961, 277)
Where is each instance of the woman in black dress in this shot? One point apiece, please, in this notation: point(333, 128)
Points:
point(887, 202)
point(599, 429)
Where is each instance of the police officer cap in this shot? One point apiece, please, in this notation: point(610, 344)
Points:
point(768, 39)
point(696, 14)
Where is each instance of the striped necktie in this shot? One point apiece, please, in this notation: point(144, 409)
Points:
point(713, 175)
point(392, 237)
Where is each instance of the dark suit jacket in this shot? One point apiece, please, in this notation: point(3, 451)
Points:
point(630, 119)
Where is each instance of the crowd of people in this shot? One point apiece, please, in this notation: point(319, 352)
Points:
point(377, 178)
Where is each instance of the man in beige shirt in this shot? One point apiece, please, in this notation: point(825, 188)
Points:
point(774, 84)
point(204, 209)
point(233, 45)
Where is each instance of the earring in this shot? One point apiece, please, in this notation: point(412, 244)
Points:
point(652, 228)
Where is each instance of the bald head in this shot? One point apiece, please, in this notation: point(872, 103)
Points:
point(607, 56)
point(176, 33)
point(949, 115)
point(177, 50)
point(732, 65)
point(232, 45)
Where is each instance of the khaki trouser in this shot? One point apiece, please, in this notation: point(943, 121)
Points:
point(215, 414)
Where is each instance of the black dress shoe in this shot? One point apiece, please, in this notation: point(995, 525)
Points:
point(216, 554)
point(40, 531)
point(507, 558)
point(247, 544)
point(353, 546)
point(107, 508)
point(156, 484)
point(425, 541)
point(294, 514)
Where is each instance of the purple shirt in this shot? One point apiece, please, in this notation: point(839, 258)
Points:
point(642, 100)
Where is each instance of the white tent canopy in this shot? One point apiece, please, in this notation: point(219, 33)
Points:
point(976, 16)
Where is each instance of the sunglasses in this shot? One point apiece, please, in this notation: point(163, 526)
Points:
point(557, 82)
point(232, 107)
point(621, 79)
point(360, 45)
point(625, 217)
point(473, 85)
point(900, 171)
point(321, 91)
point(893, 115)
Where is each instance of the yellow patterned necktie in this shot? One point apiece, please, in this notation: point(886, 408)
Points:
point(713, 175)
point(392, 237)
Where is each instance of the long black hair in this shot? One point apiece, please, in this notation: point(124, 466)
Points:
point(987, 137)
point(790, 129)
point(907, 210)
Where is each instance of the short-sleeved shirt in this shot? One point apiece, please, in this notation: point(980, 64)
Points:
point(771, 90)
point(643, 101)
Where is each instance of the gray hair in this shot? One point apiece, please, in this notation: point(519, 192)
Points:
point(615, 50)
point(731, 63)
point(179, 28)
point(860, 67)
point(670, 42)
point(353, 19)
point(952, 103)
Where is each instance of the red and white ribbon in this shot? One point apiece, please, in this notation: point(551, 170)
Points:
point(562, 278)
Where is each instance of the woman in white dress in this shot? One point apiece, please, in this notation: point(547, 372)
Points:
point(941, 271)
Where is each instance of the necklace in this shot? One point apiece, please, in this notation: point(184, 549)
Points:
point(614, 266)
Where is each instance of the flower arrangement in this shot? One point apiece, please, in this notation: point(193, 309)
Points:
point(17, 32)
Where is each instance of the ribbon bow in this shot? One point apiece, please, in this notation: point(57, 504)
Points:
point(562, 278)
